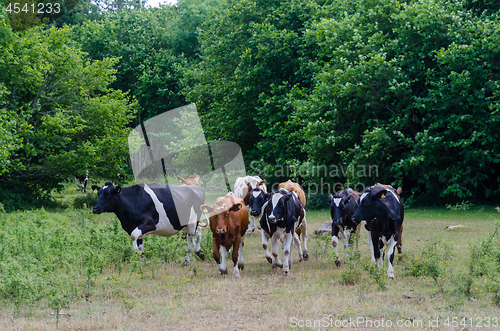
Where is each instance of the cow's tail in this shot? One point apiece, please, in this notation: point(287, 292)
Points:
point(202, 224)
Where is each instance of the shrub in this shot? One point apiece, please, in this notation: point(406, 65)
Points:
point(432, 261)
point(85, 201)
point(316, 201)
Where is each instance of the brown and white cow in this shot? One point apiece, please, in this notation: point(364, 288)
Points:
point(191, 180)
point(229, 223)
point(242, 188)
point(291, 186)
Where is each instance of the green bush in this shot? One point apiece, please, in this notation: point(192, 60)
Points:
point(85, 201)
point(316, 201)
point(433, 261)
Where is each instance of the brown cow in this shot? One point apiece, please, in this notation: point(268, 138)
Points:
point(191, 180)
point(291, 186)
point(229, 223)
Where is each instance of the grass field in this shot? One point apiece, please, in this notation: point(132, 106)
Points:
point(72, 270)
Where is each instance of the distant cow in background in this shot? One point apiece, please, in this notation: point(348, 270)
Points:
point(191, 180)
point(382, 209)
point(82, 180)
point(342, 207)
point(242, 188)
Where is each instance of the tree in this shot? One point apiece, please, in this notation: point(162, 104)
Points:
point(65, 117)
point(413, 88)
point(252, 60)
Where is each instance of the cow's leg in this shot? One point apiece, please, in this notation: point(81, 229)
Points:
point(241, 264)
point(358, 231)
point(274, 250)
point(142, 229)
point(335, 242)
point(194, 239)
point(390, 254)
point(287, 243)
point(251, 227)
point(219, 253)
point(303, 225)
point(222, 265)
point(197, 242)
point(399, 243)
point(370, 244)
point(140, 244)
point(265, 244)
point(377, 256)
point(345, 240)
point(235, 257)
point(296, 239)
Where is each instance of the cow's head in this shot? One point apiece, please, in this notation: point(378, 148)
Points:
point(107, 197)
point(369, 204)
point(257, 200)
point(220, 214)
point(337, 206)
point(280, 206)
point(191, 180)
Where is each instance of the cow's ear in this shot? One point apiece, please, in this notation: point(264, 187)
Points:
point(262, 182)
point(95, 187)
point(236, 207)
point(330, 197)
point(381, 194)
point(206, 209)
point(118, 189)
point(347, 199)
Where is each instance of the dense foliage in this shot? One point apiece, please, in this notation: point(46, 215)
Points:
point(333, 88)
point(58, 115)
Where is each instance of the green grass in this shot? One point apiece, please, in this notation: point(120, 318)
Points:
point(82, 266)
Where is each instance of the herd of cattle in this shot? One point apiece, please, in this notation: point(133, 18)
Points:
point(167, 209)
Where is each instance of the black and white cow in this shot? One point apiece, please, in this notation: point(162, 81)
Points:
point(382, 209)
point(82, 180)
point(154, 209)
point(342, 207)
point(283, 214)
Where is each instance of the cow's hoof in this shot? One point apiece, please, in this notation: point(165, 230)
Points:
point(337, 263)
point(270, 260)
point(301, 258)
point(285, 272)
point(306, 256)
point(200, 255)
point(236, 275)
point(241, 266)
point(223, 272)
point(274, 266)
point(185, 263)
